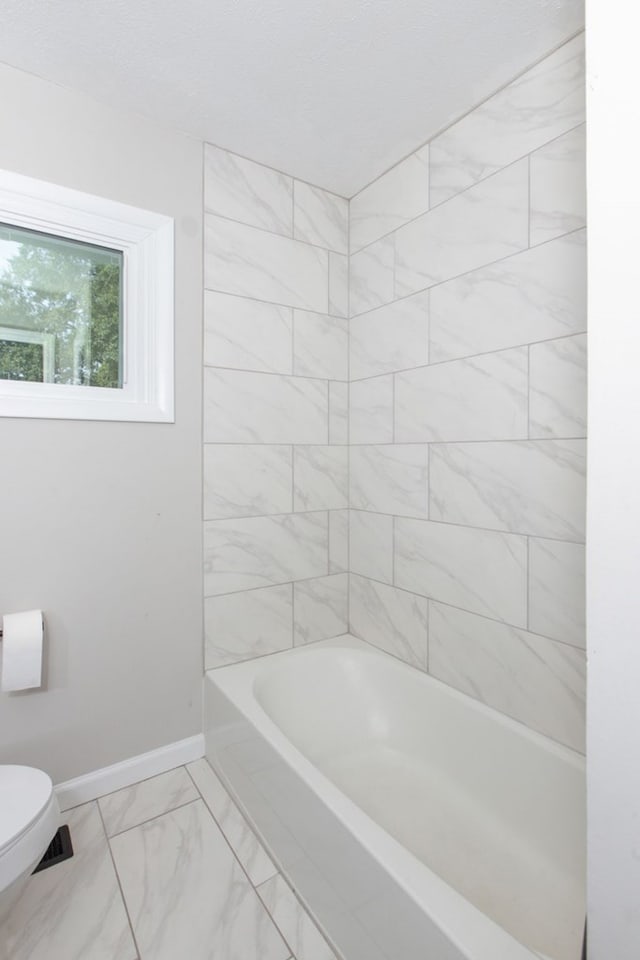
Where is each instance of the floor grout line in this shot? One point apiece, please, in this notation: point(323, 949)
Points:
point(115, 870)
point(156, 816)
point(222, 831)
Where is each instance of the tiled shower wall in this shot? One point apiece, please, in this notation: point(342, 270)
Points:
point(467, 402)
point(466, 351)
point(275, 411)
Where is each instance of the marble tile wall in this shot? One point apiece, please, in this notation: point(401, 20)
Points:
point(468, 402)
point(275, 458)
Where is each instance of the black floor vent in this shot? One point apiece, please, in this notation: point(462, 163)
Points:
point(58, 850)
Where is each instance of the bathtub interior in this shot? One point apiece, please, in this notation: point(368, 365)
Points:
point(494, 810)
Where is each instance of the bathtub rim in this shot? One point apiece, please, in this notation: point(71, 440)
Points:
point(477, 937)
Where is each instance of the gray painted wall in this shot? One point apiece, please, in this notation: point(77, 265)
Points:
point(100, 522)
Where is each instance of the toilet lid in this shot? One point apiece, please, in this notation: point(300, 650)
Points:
point(24, 794)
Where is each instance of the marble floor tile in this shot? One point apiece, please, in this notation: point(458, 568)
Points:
point(131, 806)
point(294, 922)
point(187, 895)
point(74, 910)
point(239, 834)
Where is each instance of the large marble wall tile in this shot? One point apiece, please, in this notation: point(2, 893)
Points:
point(244, 407)
point(371, 545)
point(371, 410)
point(254, 552)
point(483, 224)
point(558, 388)
point(371, 276)
point(247, 334)
point(338, 541)
point(246, 480)
point(320, 217)
point(321, 608)
point(301, 933)
point(536, 295)
point(533, 679)
point(399, 195)
point(392, 619)
point(246, 191)
point(391, 478)
point(187, 895)
point(558, 187)
point(321, 345)
point(557, 590)
point(74, 911)
point(338, 412)
point(338, 285)
point(479, 570)
point(480, 398)
point(541, 104)
point(252, 263)
point(239, 626)
point(150, 798)
point(239, 834)
point(320, 478)
point(393, 337)
point(532, 487)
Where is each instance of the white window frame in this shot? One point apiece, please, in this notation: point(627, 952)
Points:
point(146, 242)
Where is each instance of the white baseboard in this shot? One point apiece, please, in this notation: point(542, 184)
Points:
point(127, 772)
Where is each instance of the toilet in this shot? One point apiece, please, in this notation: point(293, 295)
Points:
point(29, 818)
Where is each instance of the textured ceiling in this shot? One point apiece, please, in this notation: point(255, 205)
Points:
point(331, 91)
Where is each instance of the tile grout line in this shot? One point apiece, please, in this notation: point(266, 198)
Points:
point(465, 273)
point(220, 828)
point(459, 193)
point(216, 215)
point(305, 911)
point(254, 887)
point(118, 881)
point(468, 526)
point(461, 359)
point(156, 816)
point(449, 443)
point(472, 613)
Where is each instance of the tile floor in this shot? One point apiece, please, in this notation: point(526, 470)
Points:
point(163, 870)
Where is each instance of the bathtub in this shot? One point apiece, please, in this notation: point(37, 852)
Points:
point(414, 822)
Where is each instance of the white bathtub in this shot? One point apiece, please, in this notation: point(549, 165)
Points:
point(415, 823)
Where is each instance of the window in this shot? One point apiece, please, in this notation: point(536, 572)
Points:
point(86, 306)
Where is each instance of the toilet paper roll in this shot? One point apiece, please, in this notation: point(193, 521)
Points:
point(22, 637)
